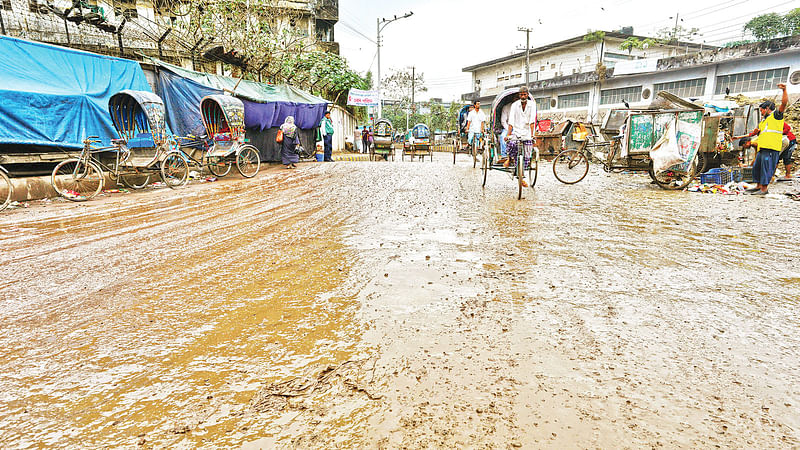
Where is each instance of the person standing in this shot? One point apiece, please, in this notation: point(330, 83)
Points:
point(291, 140)
point(521, 123)
point(786, 154)
point(475, 120)
point(504, 123)
point(326, 126)
point(770, 143)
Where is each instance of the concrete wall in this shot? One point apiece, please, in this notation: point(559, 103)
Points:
point(344, 125)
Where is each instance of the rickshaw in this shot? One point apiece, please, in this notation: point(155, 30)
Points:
point(382, 141)
point(627, 138)
point(519, 168)
point(223, 118)
point(461, 134)
point(143, 148)
point(419, 143)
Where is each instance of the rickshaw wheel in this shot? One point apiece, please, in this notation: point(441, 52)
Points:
point(76, 180)
point(248, 162)
point(134, 179)
point(533, 171)
point(6, 190)
point(174, 170)
point(219, 167)
point(484, 167)
point(671, 183)
point(570, 166)
point(520, 170)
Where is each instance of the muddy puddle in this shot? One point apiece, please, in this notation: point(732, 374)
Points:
point(400, 304)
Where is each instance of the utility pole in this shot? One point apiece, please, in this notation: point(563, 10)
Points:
point(413, 87)
point(527, 55)
point(378, 42)
point(675, 30)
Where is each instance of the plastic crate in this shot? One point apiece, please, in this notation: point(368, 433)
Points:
point(747, 174)
point(736, 174)
point(719, 176)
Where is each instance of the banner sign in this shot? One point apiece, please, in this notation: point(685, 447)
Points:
point(635, 66)
point(357, 97)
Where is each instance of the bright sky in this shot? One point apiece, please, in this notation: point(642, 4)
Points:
point(443, 36)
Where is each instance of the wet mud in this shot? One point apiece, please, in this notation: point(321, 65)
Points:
point(389, 305)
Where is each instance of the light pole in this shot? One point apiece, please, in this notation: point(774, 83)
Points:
point(381, 25)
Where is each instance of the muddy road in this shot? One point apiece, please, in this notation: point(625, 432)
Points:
point(399, 304)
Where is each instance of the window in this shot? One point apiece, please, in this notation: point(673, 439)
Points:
point(542, 69)
point(573, 100)
point(552, 66)
point(542, 103)
point(611, 96)
point(763, 80)
point(533, 76)
point(588, 58)
point(685, 88)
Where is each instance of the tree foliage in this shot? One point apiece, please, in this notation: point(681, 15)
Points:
point(671, 35)
point(633, 42)
point(792, 22)
point(265, 42)
point(766, 26)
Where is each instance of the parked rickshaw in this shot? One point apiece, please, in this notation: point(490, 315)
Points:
point(419, 143)
point(527, 163)
point(382, 140)
point(627, 138)
point(143, 149)
point(223, 118)
point(461, 134)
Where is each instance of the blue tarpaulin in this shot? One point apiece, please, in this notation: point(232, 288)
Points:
point(265, 106)
point(55, 96)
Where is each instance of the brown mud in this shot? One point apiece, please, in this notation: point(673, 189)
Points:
point(401, 305)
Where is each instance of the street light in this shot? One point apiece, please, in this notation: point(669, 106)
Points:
point(380, 28)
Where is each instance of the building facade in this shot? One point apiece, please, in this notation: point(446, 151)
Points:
point(687, 70)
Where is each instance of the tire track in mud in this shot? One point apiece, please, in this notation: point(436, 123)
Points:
point(411, 308)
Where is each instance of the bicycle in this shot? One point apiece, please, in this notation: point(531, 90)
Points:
point(80, 179)
point(571, 166)
point(6, 189)
point(518, 167)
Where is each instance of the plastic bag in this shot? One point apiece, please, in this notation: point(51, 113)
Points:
point(279, 137)
point(665, 153)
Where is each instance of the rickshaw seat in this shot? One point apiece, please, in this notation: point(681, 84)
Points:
point(142, 140)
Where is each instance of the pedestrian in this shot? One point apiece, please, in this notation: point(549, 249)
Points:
point(291, 140)
point(365, 139)
point(370, 138)
point(475, 120)
point(521, 123)
point(789, 143)
point(327, 136)
point(770, 142)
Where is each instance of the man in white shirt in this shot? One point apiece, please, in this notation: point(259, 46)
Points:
point(475, 121)
point(521, 124)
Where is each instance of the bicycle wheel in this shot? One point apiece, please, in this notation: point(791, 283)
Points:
point(134, 179)
point(485, 167)
point(77, 180)
point(673, 180)
point(219, 167)
point(570, 166)
point(474, 152)
point(533, 170)
point(174, 170)
point(6, 190)
point(247, 161)
point(520, 171)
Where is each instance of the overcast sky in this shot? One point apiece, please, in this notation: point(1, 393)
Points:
point(443, 36)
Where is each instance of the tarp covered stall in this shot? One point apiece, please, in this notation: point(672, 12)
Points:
point(54, 97)
point(266, 106)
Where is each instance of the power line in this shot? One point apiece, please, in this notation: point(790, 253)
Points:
point(355, 30)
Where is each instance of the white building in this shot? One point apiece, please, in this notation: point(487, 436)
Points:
point(563, 88)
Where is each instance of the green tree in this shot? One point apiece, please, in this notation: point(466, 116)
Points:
point(766, 26)
point(792, 22)
point(635, 43)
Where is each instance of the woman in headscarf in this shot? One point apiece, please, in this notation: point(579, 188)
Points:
point(290, 141)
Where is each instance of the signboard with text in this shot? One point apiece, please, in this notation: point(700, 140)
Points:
point(357, 97)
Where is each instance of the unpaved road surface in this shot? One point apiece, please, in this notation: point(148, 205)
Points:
point(392, 305)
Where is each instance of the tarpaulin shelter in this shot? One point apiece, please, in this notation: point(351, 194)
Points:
point(265, 106)
point(54, 97)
